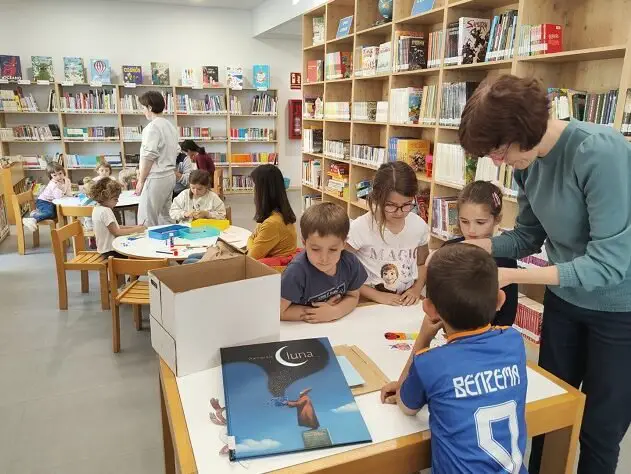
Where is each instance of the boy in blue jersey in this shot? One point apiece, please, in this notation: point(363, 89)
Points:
point(475, 385)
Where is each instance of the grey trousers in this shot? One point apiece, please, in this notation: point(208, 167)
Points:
point(155, 201)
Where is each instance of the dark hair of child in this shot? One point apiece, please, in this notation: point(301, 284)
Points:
point(325, 218)
point(395, 176)
point(54, 168)
point(484, 193)
point(103, 164)
point(201, 177)
point(270, 194)
point(190, 145)
point(153, 100)
point(462, 284)
point(105, 189)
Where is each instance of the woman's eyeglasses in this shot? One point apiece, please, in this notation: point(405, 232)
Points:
point(392, 208)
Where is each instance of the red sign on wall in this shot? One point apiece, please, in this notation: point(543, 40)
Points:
point(295, 80)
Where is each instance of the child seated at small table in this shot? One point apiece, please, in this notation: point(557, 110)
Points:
point(322, 283)
point(475, 385)
point(106, 192)
point(58, 187)
point(199, 202)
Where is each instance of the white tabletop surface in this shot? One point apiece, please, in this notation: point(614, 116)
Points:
point(127, 198)
point(145, 247)
point(364, 327)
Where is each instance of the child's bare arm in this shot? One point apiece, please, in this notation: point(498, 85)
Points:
point(290, 311)
point(381, 297)
point(332, 309)
point(118, 231)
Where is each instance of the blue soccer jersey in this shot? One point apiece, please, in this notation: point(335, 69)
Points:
point(475, 387)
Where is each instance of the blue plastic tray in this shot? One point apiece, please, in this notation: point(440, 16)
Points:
point(164, 232)
point(193, 233)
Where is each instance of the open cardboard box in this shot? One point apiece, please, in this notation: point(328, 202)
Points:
point(197, 309)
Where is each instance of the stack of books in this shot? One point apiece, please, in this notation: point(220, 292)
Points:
point(337, 182)
point(409, 51)
point(339, 149)
point(132, 133)
point(449, 164)
point(540, 39)
point(31, 133)
point(454, 98)
point(195, 133)
point(314, 108)
point(501, 43)
point(368, 155)
point(97, 101)
point(445, 217)
point(312, 140)
point(436, 39)
point(312, 173)
point(338, 65)
point(252, 134)
point(91, 133)
point(362, 190)
point(405, 105)
point(598, 108)
point(337, 110)
point(210, 104)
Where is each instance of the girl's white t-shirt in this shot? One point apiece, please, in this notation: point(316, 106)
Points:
point(390, 261)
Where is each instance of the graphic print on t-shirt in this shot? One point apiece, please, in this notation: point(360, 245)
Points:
point(328, 294)
point(397, 274)
point(389, 275)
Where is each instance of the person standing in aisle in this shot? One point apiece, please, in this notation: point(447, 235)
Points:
point(574, 182)
point(198, 155)
point(158, 152)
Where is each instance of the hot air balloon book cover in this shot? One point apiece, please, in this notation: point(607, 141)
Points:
point(100, 71)
point(288, 396)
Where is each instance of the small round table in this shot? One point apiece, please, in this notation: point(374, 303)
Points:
point(126, 200)
point(144, 247)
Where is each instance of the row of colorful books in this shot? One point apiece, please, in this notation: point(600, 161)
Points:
point(90, 161)
point(598, 108)
point(409, 51)
point(539, 39)
point(312, 140)
point(209, 104)
point(370, 111)
point(449, 164)
point(38, 161)
point(453, 100)
point(263, 157)
point(195, 132)
point(483, 169)
point(252, 133)
point(30, 133)
point(502, 37)
point(369, 155)
point(338, 149)
point(242, 182)
point(312, 173)
point(373, 60)
point(337, 180)
point(363, 189)
point(445, 217)
point(130, 103)
point(17, 101)
point(337, 110)
point(218, 157)
point(99, 100)
point(132, 133)
point(91, 133)
point(338, 65)
point(413, 105)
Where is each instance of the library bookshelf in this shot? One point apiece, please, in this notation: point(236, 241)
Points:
point(219, 140)
point(596, 57)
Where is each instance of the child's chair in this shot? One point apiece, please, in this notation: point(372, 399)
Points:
point(82, 261)
point(18, 200)
point(69, 214)
point(135, 293)
point(229, 214)
point(218, 183)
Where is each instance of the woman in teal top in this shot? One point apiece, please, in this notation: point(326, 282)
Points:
point(574, 182)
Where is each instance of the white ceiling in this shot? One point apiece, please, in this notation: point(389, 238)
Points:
point(291, 29)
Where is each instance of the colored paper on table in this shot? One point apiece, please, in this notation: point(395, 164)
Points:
point(350, 373)
point(397, 336)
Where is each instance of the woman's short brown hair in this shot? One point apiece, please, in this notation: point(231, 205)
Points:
point(105, 189)
point(153, 100)
point(503, 111)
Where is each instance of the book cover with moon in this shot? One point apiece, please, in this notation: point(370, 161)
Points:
point(288, 396)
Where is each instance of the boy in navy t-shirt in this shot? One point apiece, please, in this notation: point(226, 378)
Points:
point(475, 385)
point(322, 283)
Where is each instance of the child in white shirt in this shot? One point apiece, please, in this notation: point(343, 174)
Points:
point(58, 186)
point(390, 241)
point(106, 192)
point(199, 202)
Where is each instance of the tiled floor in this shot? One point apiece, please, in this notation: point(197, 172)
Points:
point(67, 404)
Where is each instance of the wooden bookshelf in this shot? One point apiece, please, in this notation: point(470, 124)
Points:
point(220, 125)
point(596, 57)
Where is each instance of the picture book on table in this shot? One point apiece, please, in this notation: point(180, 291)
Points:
point(288, 396)
point(234, 76)
point(160, 74)
point(100, 71)
point(10, 67)
point(210, 75)
point(132, 74)
point(73, 70)
point(473, 37)
point(43, 68)
point(260, 77)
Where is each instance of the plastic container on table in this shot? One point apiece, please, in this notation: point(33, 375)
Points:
point(163, 233)
point(221, 224)
point(194, 233)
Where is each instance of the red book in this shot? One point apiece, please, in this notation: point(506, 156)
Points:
point(552, 38)
point(312, 71)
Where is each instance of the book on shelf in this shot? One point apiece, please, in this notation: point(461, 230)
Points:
point(130, 103)
point(405, 104)
point(539, 39)
point(454, 98)
point(363, 188)
point(502, 176)
point(43, 69)
point(339, 149)
point(91, 133)
point(310, 199)
point(97, 100)
point(451, 43)
point(337, 110)
point(234, 77)
point(132, 74)
point(132, 133)
point(412, 151)
point(318, 30)
point(261, 77)
point(445, 217)
point(473, 37)
point(315, 70)
point(338, 65)
point(210, 75)
point(421, 6)
point(30, 132)
point(132, 159)
point(160, 74)
point(74, 70)
point(365, 111)
point(90, 161)
point(369, 155)
point(344, 26)
point(260, 157)
point(235, 105)
point(312, 140)
point(264, 104)
point(435, 41)
point(242, 182)
point(529, 318)
point(208, 104)
point(252, 134)
point(17, 101)
point(566, 104)
point(313, 108)
point(366, 57)
point(449, 164)
point(502, 36)
point(10, 67)
point(201, 133)
point(421, 201)
point(189, 77)
point(384, 58)
point(626, 115)
point(409, 47)
point(100, 71)
point(337, 179)
point(312, 173)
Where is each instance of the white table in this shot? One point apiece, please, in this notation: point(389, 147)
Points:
point(145, 247)
point(126, 199)
point(192, 441)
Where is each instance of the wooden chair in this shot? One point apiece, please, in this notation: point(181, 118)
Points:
point(135, 293)
point(218, 183)
point(229, 214)
point(18, 200)
point(70, 214)
point(82, 261)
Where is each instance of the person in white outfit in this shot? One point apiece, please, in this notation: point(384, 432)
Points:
point(158, 152)
point(199, 202)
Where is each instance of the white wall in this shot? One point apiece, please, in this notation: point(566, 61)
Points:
point(272, 13)
point(134, 33)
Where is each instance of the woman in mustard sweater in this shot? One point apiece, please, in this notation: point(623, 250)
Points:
point(275, 234)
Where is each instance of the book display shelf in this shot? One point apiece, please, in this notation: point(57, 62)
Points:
point(125, 121)
point(596, 57)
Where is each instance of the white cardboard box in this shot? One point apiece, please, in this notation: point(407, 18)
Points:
point(197, 309)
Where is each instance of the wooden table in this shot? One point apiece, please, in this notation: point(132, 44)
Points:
point(559, 417)
point(127, 200)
